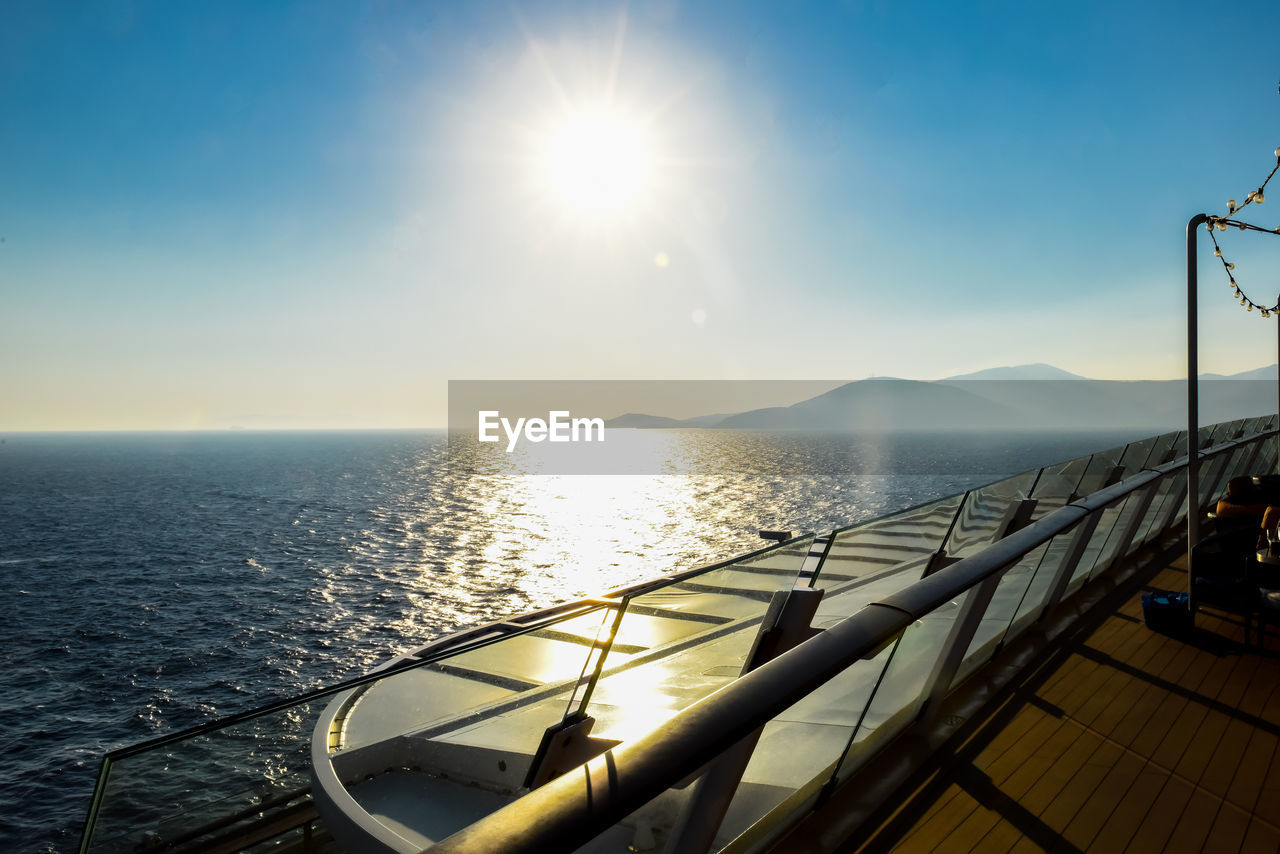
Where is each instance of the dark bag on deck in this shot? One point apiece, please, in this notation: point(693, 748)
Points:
point(1167, 613)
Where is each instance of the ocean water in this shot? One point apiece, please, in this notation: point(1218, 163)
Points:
point(153, 582)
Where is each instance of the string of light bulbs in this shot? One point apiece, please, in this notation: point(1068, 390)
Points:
point(1221, 223)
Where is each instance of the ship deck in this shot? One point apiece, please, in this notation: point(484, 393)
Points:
point(1122, 739)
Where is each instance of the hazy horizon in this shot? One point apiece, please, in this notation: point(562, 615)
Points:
point(616, 401)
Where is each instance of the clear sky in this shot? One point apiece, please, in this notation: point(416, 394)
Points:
point(316, 214)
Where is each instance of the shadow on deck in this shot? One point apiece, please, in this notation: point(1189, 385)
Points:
point(1122, 739)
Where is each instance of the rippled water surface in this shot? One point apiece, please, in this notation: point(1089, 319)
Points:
point(156, 581)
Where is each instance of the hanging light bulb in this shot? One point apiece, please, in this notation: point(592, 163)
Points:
point(1230, 266)
point(1241, 226)
point(1259, 197)
point(1278, 152)
point(1231, 205)
point(1222, 226)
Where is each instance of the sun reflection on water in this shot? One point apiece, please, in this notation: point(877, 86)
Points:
point(468, 535)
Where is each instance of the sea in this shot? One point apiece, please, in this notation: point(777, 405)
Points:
point(156, 581)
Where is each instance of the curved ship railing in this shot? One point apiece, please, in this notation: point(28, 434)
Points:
point(899, 612)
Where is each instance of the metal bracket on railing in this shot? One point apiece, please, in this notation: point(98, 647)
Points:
point(1017, 517)
point(938, 560)
point(695, 828)
point(566, 744)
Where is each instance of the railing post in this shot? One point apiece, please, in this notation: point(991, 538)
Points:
point(1193, 401)
point(1066, 569)
point(1017, 516)
point(568, 743)
point(957, 645)
point(1135, 520)
point(940, 559)
point(694, 831)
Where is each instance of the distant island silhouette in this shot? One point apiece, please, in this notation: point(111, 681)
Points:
point(1038, 396)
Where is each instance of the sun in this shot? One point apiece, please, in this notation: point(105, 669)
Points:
point(598, 163)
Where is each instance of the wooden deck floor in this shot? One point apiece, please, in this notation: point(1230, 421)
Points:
point(1124, 740)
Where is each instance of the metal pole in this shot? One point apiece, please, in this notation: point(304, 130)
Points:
point(1193, 405)
point(1278, 381)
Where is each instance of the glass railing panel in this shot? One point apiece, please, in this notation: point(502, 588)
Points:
point(197, 793)
point(901, 540)
point(1225, 431)
point(1100, 470)
point(1167, 490)
point(1115, 543)
point(1159, 514)
point(1037, 590)
point(686, 639)
point(1107, 517)
point(1240, 460)
point(1165, 448)
point(1266, 462)
point(1136, 454)
point(838, 604)
point(983, 513)
point(798, 750)
point(1210, 483)
point(1180, 446)
point(905, 685)
point(1057, 485)
point(1180, 496)
point(1248, 460)
point(990, 631)
point(501, 679)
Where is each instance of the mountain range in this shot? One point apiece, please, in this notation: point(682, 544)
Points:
point(1035, 396)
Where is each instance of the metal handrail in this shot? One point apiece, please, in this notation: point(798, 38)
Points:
point(570, 810)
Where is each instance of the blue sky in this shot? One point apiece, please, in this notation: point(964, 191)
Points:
point(315, 215)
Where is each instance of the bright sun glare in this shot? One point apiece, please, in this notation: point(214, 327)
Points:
point(597, 163)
